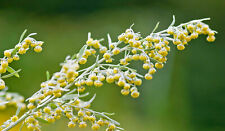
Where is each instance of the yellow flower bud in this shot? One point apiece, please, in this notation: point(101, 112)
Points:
point(95, 127)
point(135, 94)
point(146, 66)
point(106, 56)
point(159, 65)
point(38, 49)
point(71, 125)
point(125, 92)
point(138, 82)
point(148, 76)
point(180, 47)
point(14, 118)
point(116, 51)
point(7, 53)
point(211, 38)
point(82, 124)
point(47, 110)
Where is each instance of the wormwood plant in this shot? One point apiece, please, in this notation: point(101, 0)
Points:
point(62, 93)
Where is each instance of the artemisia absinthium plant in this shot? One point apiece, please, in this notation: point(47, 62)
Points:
point(61, 95)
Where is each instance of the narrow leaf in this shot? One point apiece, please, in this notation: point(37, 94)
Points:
point(173, 22)
point(97, 58)
point(52, 105)
point(108, 114)
point(18, 110)
point(83, 95)
point(156, 26)
point(22, 35)
point(21, 127)
point(84, 104)
point(12, 71)
point(89, 35)
point(109, 40)
point(42, 120)
point(32, 34)
point(80, 54)
point(70, 97)
point(67, 97)
point(47, 75)
point(131, 25)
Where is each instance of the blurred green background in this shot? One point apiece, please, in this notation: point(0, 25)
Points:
point(187, 95)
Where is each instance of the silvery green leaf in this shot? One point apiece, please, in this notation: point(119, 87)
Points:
point(21, 127)
point(109, 39)
point(41, 120)
point(70, 97)
point(80, 54)
point(62, 89)
point(108, 114)
point(84, 104)
point(96, 62)
point(32, 34)
point(47, 75)
point(156, 26)
point(67, 57)
point(89, 35)
point(52, 105)
point(173, 22)
point(45, 99)
point(83, 95)
point(12, 71)
point(66, 97)
point(22, 35)
point(131, 25)
point(18, 110)
point(139, 75)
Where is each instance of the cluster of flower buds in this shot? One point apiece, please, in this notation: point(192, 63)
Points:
point(127, 79)
point(186, 32)
point(32, 124)
point(21, 48)
point(152, 50)
point(13, 54)
point(57, 84)
point(76, 110)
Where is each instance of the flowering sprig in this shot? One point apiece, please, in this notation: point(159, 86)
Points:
point(10, 98)
point(62, 93)
point(7, 98)
point(13, 55)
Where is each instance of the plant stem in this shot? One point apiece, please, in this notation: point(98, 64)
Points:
point(25, 115)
